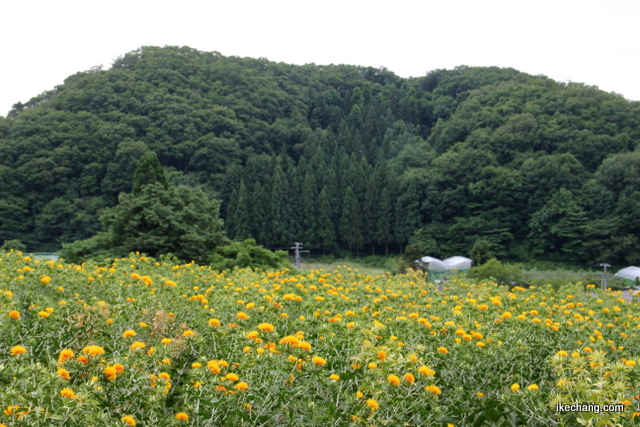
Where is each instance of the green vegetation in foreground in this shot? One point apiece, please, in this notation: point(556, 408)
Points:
point(150, 343)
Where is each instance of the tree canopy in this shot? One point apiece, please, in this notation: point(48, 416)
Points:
point(531, 166)
point(155, 219)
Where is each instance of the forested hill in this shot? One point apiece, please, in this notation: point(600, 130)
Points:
point(337, 156)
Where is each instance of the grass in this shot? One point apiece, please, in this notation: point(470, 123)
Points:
point(309, 265)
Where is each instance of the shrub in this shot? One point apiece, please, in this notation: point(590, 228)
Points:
point(408, 260)
point(16, 245)
point(247, 254)
point(481, 252)
point(155, 221)
point(504, 274)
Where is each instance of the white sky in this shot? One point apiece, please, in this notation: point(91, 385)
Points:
point(590, 41)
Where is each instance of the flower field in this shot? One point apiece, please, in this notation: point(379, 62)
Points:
point(147, 343)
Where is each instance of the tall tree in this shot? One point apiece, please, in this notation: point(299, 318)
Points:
point(326, 234)
point(559, 224)
point(351, 222)
point(280, 210)
point(309, 219)
point(155, 221)
point(384, 226)
point(242, 229)
point(371, 212)
point(149, 171)
point(230, 218)
point(230, 183)
point(407, 214)
point(259, 210)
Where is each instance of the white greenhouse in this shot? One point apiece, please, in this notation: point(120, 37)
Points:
point(629, 273)
point(434, 264)
point(438, 269)
point(458, 263)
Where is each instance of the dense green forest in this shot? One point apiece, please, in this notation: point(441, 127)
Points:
point(339, 157)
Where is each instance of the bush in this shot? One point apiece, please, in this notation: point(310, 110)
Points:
point(425, 243)
point(247, 254)
point(16, 245)
point(95, 248)
point(481, 252)
point(504, 274)
point(155, 221)
point(408, 260)
point(379, 261)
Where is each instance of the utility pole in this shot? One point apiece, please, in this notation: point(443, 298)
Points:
point(604, 275)
point(297, 248)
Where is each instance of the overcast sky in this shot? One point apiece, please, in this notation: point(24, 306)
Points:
point(588, 41)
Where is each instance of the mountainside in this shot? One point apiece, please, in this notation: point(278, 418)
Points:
point(338, 157)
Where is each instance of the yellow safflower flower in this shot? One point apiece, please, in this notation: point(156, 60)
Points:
point(110, 373)
point(433, 389)
point(266, 327)
point(292, 340)
point(232, 377)
point(18, 349)
point(68, 393)
point(93, 350)
point(425, 370)
point(64, 374)
point(241, 386)
point(318, 361)
point(213, 366)
point(304, 345)
point(129, 420)
point(136, 345)
point(393, 380)
point(64, 355)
